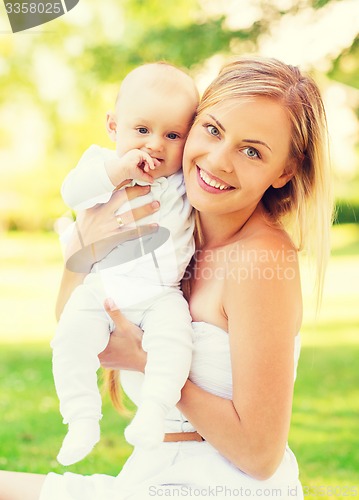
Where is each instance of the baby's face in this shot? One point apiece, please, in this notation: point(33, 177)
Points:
point(155, 122)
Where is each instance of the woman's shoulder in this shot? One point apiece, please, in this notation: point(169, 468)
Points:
point(263, 268)
point(265, 238)
point(264, 254)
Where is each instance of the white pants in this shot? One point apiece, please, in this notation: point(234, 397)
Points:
point(177, 470)
point(83, 332)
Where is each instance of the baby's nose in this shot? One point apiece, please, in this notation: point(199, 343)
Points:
point(154, 143)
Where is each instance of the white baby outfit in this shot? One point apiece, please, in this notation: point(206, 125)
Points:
point(142, 276)
point(183, 469)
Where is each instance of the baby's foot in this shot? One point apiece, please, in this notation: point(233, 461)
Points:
point(147, 428)
point(81, 437)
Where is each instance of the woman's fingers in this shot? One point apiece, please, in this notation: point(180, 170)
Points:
point(121, 322)
point(135, 191)
point(136, 214)
point(124, 349)
point(120, 198)
point(100, 229)
point(148, 209)
point(123, 326)
point(82, 260)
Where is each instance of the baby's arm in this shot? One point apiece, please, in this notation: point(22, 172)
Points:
point(100, 171)
point(88, 183)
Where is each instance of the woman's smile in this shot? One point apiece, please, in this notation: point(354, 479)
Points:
point(210, 183)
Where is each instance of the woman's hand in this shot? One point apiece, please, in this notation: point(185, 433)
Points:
point(98, 230)
point(124, 350)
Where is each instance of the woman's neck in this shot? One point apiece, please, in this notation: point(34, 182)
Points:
point(221, 230)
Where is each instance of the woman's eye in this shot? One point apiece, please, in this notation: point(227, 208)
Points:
point(142, 130)
point(251, 152)
point(213, 130)
point(173, 136)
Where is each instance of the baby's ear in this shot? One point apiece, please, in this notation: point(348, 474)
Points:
point(111, 125)
point(286, 175)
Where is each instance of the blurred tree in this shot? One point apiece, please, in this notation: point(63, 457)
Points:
point(57, 84)
point(185, 45)
point(345, 68)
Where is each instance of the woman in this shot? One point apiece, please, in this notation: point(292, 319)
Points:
point(255, 167)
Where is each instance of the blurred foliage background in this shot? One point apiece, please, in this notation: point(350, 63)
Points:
point(57, 82)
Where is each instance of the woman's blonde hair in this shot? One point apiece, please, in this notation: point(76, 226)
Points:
point(111, 383)
point(304, 205)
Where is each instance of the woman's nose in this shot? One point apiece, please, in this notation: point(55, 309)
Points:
point(220, 158)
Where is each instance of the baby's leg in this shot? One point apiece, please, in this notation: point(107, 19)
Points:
point(168, 342)
point(82, 435)
point(82, 333)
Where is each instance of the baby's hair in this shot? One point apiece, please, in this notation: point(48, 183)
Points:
point(163, 75)
point(304, 205)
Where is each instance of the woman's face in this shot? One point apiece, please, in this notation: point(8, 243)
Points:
point(236, 150)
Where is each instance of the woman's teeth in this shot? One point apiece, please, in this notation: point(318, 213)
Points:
point(211, 182)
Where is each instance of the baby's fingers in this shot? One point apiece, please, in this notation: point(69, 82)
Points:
point(149, 162)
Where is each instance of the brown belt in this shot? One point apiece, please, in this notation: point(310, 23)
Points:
point(182, 436)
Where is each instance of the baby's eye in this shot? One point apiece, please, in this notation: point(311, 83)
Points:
point(142, 130)
point(212, 130)
point(251, 152)
point(172, 136)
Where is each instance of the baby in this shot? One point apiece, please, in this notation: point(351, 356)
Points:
point(154, 111)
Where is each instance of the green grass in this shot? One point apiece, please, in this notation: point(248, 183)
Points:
point(325, 425)
point(324, 431)
point(31, 430)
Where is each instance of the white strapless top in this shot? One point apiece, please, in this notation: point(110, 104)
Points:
point(210, 370)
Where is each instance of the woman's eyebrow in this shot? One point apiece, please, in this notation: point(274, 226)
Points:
point(254, 141)
point(218, 123)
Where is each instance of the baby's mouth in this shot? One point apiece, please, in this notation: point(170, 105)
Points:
point(158, 161)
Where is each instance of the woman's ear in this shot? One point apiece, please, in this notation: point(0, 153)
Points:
point(286, 175)
point(111, 125)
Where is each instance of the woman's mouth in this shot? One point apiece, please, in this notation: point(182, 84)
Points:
point(211, 184)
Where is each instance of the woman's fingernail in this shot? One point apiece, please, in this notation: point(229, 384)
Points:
point(110, 304)
point(155, 205)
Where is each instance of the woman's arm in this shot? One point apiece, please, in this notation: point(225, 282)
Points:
point(69, 282)
point(262, 301)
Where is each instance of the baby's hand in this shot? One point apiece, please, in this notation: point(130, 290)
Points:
point(135, 164)
point(138, 165)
